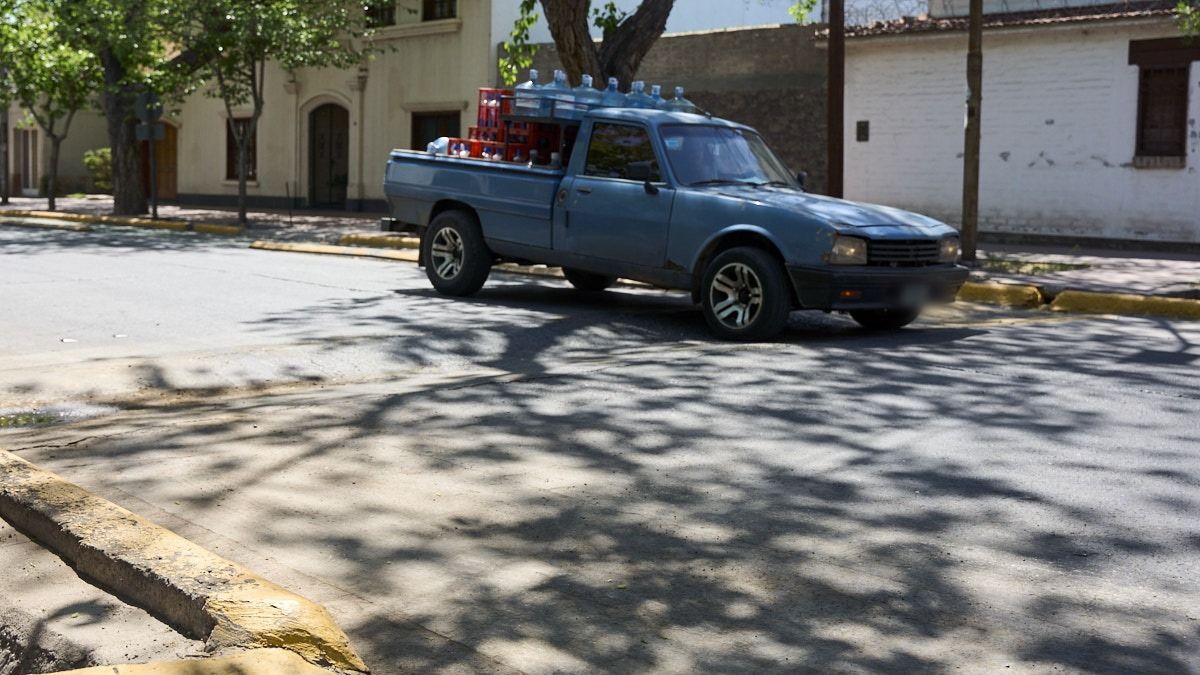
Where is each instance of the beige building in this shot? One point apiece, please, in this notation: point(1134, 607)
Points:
point(29, 152)
point(325, 134)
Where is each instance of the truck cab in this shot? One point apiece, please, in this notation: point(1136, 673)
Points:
point(679, 201)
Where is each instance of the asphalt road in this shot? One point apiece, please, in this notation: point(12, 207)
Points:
point(538, 480)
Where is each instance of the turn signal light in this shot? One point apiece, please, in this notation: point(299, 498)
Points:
point(851, 295)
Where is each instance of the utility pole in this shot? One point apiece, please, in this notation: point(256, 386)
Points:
point(970, 208)
point(835, 98)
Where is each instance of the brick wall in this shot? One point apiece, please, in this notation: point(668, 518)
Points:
point(772, 79)
point(1059, 119)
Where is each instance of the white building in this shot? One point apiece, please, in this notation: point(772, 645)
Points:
point(1089, 119)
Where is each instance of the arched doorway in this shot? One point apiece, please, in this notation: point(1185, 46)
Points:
point(328, 156)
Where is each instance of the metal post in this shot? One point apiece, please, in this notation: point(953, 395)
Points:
point(835, 126)
point(970, 207)
point(153, 175)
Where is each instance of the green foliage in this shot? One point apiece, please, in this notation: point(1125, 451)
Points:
point(518, 51)
point(801, 10)
point(607, 18)
point(44, 71)
point(99, 165)
point(1187, 16)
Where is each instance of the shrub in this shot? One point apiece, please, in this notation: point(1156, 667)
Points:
point(99, 165)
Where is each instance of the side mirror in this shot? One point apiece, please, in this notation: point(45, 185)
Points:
point(802, 179)
point(642, 171)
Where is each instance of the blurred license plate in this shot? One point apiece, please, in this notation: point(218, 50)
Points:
point(915, 295)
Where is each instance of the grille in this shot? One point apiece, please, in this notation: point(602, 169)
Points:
point(908, 252)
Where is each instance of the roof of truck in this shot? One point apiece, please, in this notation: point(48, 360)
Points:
point(660, 117)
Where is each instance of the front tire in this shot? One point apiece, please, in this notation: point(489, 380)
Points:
point(885, 319)
point(587, 281)
point(745, 295)
point(457, 261)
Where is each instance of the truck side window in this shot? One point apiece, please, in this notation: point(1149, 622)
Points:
point(614, 147)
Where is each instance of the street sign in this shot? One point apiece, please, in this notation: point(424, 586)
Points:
point(155, 131)
point(148, 108)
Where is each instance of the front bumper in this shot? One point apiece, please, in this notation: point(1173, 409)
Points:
point(865, 287)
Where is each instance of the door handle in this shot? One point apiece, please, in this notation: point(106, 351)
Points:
point(584, 190)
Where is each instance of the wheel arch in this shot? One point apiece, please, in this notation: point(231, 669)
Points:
point(733, 237)
point(440, 207)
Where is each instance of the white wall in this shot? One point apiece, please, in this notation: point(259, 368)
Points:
point(1059, 118)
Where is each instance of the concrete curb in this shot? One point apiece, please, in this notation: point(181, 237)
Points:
point(68, 226)
point(1126, 304)
point(405, 255)
point(1011, 295)
point(254, 662)
point(379, 241)
point(145, 223)
point(202, 595)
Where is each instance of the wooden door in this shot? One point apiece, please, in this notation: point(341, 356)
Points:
point(328, 156)
point(166, 158)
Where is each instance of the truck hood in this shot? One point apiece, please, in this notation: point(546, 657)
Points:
point(870, 220)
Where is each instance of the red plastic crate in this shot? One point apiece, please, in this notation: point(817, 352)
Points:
point(492, 104)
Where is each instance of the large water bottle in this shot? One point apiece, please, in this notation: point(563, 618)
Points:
point(586, 97)
point(656, 96)
point(528, 95)
point(681, 104)
point(558, 97)
point(612, 97)
point(637, 97)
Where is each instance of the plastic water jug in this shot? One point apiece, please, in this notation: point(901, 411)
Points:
point(438, 147)
point(586, 96)
point(528, 95)
point(558, 96)
point(637, 97)
point(681, 104)
point(612, 97)
point(656, 96)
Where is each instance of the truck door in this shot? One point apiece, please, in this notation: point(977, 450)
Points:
point(609, 213)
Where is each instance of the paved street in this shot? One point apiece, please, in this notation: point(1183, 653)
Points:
point(543, 481)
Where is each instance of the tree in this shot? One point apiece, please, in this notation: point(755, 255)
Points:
point(625, 38)
point(1187, 15)
point(243, 35)
point(139, 46)
point(49, 77)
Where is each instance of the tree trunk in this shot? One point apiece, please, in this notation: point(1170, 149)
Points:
point(243, 141)
point(52, 175)
point(970, 209)
point(118, 101)
point(4, 154)
point(621, 53)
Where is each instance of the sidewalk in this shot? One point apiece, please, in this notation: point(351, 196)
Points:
point(1051, 269)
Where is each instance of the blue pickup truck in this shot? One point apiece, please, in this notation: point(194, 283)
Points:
point(679, 201)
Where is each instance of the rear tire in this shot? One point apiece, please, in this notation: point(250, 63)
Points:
point(457, 261)
point(745, 295)
point(588, 281)
point(885, 319)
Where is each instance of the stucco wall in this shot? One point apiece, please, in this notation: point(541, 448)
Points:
point(87, 132)
point(1059, 119)
point(431, 66)
point(772, 79)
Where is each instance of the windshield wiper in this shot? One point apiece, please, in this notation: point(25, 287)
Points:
point(716, 181)
point(774, 183)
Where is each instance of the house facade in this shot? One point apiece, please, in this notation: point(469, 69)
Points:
point(1089, 120)
point(29, 152)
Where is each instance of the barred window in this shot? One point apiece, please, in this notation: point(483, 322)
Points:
point(231, 150)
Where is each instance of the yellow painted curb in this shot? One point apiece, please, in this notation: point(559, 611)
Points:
point(254, 662)
point(1012, 295)
point(61, 225)
point(1119, 303)
point(146, 223)
point(200, 594)
point(405, 255)
point(379, 240)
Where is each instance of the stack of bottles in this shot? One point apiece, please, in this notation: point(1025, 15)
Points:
point(496, 136)
point(557, 100)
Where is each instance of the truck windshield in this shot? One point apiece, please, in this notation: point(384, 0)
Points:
point(711, 155)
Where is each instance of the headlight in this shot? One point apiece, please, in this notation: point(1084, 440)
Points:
point(949, 250)
point(848, 251)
